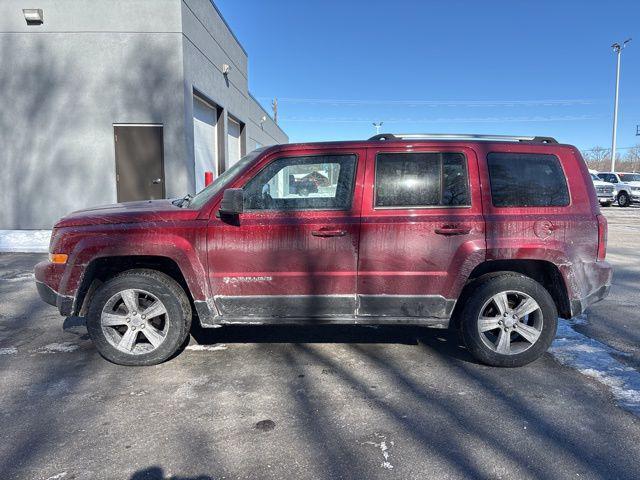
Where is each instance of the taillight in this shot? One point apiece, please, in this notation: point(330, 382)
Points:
point(602, 237)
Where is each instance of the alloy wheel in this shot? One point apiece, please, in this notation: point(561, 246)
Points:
point(510, 322)
point(134, 321)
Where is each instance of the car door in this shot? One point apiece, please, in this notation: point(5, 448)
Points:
point(422, 230)
point(293, 252)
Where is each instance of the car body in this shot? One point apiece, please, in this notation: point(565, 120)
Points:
point(408, 231)
point(627, 186)
point(606, 192)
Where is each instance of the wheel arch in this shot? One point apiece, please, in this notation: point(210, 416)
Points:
point(101, 269)
point(544, 272)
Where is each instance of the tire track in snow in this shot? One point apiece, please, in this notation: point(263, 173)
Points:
point(596, 360)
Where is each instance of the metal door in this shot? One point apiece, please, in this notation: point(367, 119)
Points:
point(139, 162)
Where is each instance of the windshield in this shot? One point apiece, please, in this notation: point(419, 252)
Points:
point(595, 177)
point(630, 177)
point(224, 179)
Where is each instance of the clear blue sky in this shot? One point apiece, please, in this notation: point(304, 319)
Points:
point(443, 66)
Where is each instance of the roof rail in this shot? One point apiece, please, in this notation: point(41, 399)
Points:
point(460, 136)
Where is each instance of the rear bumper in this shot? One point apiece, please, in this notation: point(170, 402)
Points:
point(580, 305)
point(601, 275)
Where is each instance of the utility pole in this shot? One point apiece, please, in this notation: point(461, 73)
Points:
point(617, 48)
point(377, 126)
point(274, 105)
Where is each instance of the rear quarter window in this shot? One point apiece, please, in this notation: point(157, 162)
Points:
point(527, 180)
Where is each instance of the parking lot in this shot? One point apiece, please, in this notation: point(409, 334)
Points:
point(321, 402)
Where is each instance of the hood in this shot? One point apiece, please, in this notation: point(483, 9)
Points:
point(634, 184)
point(600, 183)
point(128, 212)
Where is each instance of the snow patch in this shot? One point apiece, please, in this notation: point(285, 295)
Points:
point(597, 360)
point(208, 348)
point(16, 276)
point(8, 351)
point(64, 347)
point(30, 241)
point(57, 476)
point(382, 445)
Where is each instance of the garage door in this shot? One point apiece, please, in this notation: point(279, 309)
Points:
point(233, 132)
point(205, 141)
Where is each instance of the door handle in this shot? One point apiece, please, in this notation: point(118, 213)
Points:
point(156, 181)
point(449, 230)
point(325, 233)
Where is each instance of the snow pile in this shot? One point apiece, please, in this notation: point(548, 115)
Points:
point(596, 360)
point(36, 241)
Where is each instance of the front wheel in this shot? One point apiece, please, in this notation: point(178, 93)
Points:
point(139, 317)
point(623, 199)
point(509, 320)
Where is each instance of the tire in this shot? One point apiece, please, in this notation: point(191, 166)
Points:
point(623, 199)
point(606, 204)
point(130, 338)
point(489, 347)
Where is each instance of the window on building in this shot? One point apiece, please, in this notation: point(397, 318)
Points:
point(303, 183)
point(527, 180)
point(421, 180)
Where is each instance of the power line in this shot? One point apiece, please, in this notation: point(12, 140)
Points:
point(436, 103)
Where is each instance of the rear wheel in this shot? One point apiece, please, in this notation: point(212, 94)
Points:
point(509, 320)
point(140, 317)
point(623, 199)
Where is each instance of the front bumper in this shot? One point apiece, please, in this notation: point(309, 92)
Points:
point(606, 198)
point(49, 283)
point(635, 195)
point(50, 296)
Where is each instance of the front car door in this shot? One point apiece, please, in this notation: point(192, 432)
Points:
point(293, 252)
point(422, 231)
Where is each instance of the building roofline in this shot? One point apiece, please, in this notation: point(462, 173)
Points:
point(267, 113)
point(228, 27)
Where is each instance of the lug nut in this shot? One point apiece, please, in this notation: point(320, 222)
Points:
point(135, 313)
point(144, 316)
point(142, 326)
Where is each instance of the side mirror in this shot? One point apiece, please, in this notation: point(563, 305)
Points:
point(232, 201)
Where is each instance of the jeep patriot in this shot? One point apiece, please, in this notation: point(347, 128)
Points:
point(495, 236)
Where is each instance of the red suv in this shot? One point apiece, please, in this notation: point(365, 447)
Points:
point(496, 235)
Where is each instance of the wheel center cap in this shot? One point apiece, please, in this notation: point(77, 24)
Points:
point(510, 321)
point(136, 322)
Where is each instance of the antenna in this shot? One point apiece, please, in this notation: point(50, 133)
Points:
point(377, 126)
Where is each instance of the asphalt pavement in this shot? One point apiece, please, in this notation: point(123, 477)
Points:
point(310, 402)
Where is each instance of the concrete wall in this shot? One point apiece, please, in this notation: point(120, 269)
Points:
point(94, 63)
point(62, 86)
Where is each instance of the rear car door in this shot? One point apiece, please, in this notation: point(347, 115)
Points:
point(422, 230)
point(293, 252)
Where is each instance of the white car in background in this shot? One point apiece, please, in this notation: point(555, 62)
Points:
point(626, 184)
point(606, 192)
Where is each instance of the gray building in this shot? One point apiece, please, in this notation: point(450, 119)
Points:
point(114, 100)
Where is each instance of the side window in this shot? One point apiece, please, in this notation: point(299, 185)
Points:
point(303, 183)
point(421, 180)
point(527, 180)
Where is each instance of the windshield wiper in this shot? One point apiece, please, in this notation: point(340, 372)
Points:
point(184, 201)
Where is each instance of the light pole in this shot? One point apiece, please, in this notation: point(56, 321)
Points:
point(377, 126)
point(617, 48)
